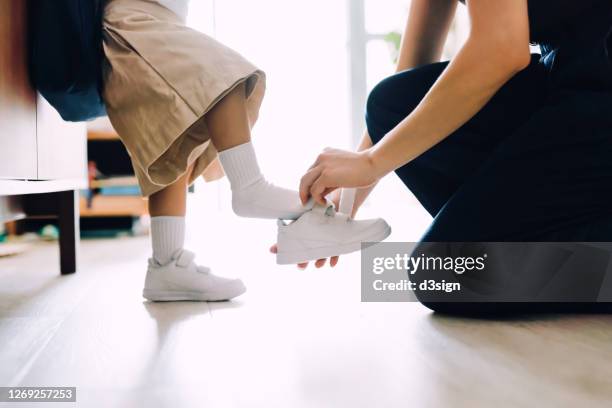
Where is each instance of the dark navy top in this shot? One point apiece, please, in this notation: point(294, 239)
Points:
point(552, 21)
point(575, 39)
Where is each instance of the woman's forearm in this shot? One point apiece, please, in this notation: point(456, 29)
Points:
point(362, 193)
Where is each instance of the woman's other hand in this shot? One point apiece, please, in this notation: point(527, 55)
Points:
point(333, 261)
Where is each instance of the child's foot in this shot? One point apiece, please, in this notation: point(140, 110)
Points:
point(322, 233)
point(182, 279)
point(252, 195)
point(262, 199)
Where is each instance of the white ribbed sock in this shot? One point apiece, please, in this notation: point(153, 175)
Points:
point(167, 237)
point(252, 195)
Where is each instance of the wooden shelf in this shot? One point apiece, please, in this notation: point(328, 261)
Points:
point(118, 181)
point(114, 206)
point(102, 135)
point(110, 157)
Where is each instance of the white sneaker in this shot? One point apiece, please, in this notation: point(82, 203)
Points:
point(323, 232)
point(182, 279)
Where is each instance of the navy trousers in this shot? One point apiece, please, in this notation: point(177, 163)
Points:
point(535, 164)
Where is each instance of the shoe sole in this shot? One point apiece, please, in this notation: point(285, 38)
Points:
point(191, 296)
point(307, 255)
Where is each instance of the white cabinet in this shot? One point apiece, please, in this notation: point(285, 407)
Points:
point(61, 146)
point(42, 158)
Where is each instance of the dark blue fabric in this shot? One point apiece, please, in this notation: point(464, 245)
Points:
point(535, 164)
point(552, 21)
point(66, 56)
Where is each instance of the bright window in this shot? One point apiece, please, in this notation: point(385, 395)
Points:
point(321, 58)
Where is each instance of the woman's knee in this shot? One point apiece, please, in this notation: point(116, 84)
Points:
point(380, 117)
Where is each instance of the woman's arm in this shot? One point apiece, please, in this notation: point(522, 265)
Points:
point(425, 33)
point(423, 40)
point(496, 49)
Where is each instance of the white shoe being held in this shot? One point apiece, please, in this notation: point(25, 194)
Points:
point(322, 232)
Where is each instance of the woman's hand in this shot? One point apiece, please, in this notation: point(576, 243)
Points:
point(333, 261)
point(335, 169)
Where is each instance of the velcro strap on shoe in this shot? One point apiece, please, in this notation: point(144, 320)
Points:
point(329, 209)
point(185, 259)
point(203, 269)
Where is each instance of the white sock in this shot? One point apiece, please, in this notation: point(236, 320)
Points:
point(167, 237)
point(252, 195)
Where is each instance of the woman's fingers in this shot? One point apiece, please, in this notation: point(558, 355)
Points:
point(306, 183)
point(274, 250)
point(333, 261)
point(317, 189)
point(313, 184)
point(328, 191)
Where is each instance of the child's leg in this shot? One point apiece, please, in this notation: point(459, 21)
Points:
point(167, 208)
point(172, 273)
point(171, 201)
point(228, 121)
point(252, 195)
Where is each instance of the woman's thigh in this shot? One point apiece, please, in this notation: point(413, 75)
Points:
point(549, 181)
point(438, 173)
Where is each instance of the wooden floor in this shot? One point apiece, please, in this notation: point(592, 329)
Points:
point(296, 339)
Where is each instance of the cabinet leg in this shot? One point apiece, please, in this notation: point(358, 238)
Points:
point(69, 229)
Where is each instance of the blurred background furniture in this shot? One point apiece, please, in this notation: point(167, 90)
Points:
point(113, 201)
point(42, 158)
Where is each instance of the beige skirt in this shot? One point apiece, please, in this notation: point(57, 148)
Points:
point(161, 78)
